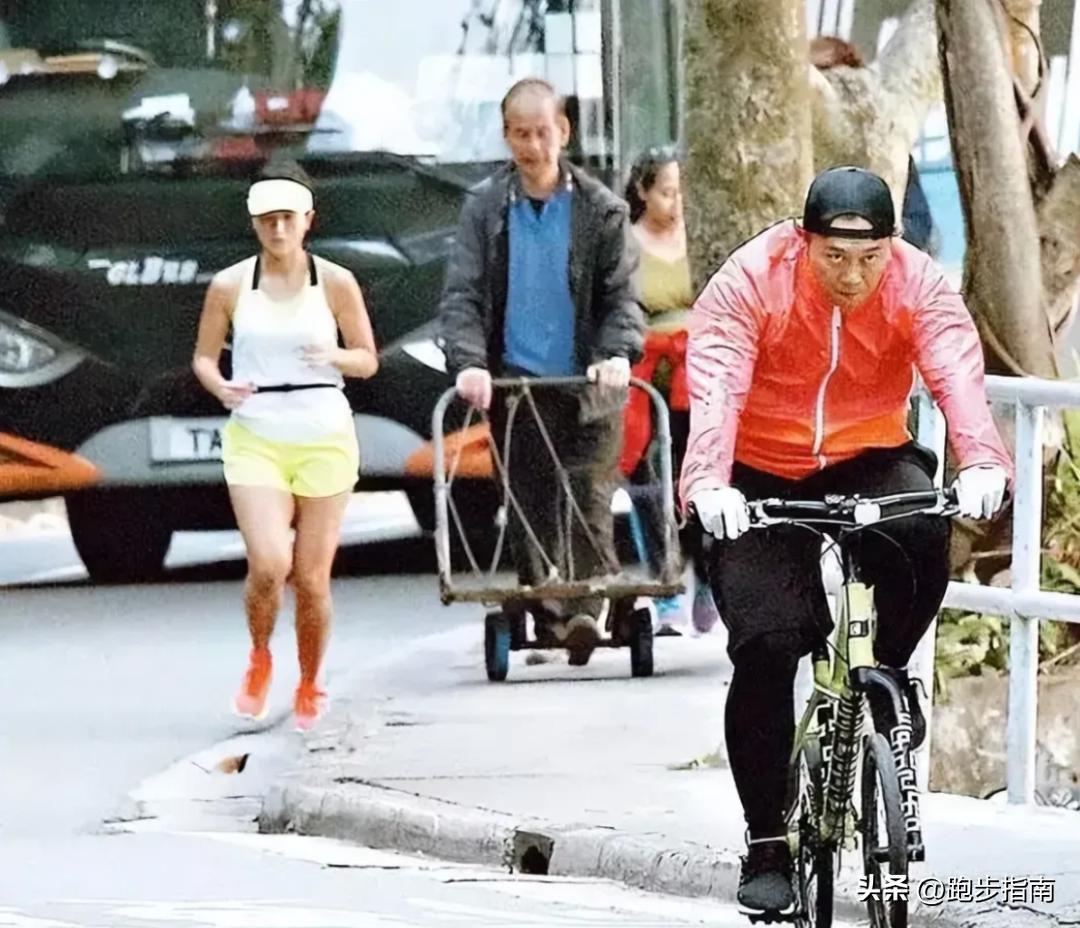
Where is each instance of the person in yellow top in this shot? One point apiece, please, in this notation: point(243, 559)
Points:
point(290, 451)
point(654, 194)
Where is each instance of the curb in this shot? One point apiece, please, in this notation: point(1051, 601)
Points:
point(385, 819)
point(390, 819)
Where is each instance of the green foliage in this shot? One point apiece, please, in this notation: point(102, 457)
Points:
point(968, 645)
point(1061, 559)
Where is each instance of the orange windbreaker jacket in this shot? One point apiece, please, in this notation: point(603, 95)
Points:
point(784, 382)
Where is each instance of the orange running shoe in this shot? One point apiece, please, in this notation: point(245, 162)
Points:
point(251, 701)
point(308, 706)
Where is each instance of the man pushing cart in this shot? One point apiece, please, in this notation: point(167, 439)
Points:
point(540, 286)
point(566, 563)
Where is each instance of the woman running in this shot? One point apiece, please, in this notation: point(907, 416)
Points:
point(289, 448)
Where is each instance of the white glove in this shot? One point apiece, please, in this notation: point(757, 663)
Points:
point(613, 373)
point(474, 385)
point(980, 490)
point(723, 512)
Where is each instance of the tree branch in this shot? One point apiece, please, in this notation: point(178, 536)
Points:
point(874, 115)
point(830, 115)
point(1059, 232)
point(908, 66)
point(1028, 63)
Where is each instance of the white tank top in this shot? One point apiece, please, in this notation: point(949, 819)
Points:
point(268, 337)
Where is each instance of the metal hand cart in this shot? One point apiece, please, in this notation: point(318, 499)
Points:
point(505, 628)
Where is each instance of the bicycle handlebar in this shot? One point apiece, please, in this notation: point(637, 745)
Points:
point(854, 510)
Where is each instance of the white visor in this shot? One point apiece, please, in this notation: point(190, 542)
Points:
point(273, 196)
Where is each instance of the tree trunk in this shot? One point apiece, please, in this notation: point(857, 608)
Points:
point(1002, 265)
point(1059, 228)
point(748, 159)
point(1056, 190)
point(872, 117)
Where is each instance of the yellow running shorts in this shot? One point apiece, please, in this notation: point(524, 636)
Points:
point(326, 467)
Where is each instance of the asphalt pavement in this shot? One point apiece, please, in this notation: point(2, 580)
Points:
point(117, 812)
point(253, 881)
point(597, 774)
point(114, 713)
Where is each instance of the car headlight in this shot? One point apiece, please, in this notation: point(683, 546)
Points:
point(30, 356)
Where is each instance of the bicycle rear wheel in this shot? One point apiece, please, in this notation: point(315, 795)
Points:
point(884, 836)
point(814, 859)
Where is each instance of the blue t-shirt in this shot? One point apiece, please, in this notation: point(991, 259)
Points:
point(540, 316)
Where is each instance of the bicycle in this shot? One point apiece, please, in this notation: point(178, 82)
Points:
point(821, 816)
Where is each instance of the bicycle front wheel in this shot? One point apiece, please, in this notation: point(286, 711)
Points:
point(884, 837)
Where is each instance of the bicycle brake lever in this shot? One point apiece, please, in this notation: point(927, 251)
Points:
point(758, 518)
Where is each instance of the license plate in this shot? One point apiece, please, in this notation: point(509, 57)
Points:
point(179, 440)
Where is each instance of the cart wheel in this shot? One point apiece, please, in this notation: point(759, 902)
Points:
point(641, 641)
point(497, 646)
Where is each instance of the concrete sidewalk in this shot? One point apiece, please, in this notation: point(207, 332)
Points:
point(585, 768)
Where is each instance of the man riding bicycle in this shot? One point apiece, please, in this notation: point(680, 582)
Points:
point(802, 357)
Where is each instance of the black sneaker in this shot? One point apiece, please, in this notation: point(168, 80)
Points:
point(882, 711)
point(765, 879)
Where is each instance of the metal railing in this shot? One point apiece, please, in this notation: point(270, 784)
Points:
point(1024, 603)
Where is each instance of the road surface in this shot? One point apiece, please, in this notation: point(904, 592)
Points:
point(114, 704)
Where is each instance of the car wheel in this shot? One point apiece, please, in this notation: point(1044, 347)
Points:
point(121, 536)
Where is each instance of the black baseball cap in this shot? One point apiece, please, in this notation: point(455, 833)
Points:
point(849, 191)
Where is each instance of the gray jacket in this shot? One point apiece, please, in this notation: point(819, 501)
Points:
point(603, 259)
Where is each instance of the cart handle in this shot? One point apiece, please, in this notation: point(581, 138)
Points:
point(575, 380)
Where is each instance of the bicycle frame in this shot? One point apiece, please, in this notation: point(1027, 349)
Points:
point(833, 714)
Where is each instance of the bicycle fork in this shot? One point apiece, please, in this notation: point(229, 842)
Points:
point(864, 674)
point(900, 738)
point(850, 679)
